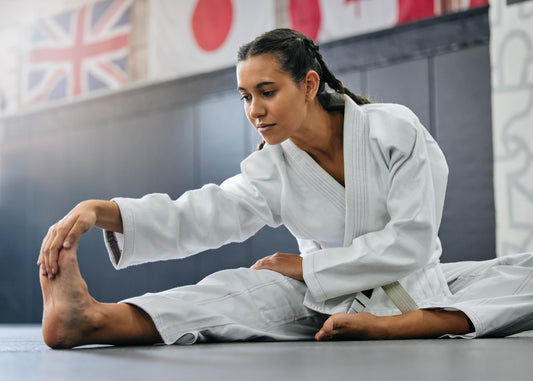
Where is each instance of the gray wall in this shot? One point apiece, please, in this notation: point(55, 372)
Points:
point(178, 135)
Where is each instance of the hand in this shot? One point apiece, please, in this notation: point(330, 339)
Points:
point(286, 264)
point(65, 234)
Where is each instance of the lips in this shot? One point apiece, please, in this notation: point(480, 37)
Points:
point(263, 127)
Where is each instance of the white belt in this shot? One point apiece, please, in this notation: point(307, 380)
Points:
point(400, 297)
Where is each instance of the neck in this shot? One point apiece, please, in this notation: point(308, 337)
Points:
point(321, 136)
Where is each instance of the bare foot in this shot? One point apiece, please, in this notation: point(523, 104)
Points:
point(360, 326)
point(72, 317)
point(68, 309)
point(416, 324)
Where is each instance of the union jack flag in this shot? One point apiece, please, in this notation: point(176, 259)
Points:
point(77, 52)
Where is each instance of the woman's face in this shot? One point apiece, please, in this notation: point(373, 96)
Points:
point(274, 104)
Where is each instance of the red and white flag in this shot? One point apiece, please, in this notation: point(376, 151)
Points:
point(344, 18)
point(194, 36)
point(327, 20)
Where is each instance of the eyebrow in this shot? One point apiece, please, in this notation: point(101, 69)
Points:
point(259, 85)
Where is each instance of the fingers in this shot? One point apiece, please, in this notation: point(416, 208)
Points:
point(52, 244)
point(65, 234)
point(62, 229)
point(78, 228)
point(262, 263)
point(268, 261)
point(42, 261)
point(286, 264)
point(49, 252)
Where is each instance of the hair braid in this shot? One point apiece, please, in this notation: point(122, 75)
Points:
point(334, 83)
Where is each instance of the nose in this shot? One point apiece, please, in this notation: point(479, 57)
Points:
point(256, 110)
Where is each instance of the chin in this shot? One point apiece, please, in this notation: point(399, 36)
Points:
point(273, 141)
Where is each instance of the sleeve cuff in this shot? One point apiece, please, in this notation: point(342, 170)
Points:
point(310, 278)
point(115, 245)
point(120, 246)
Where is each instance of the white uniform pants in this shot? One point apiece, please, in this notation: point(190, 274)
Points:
point(245, 304)
point(497, 295)
point(233, 305)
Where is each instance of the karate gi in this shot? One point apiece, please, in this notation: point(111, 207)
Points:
point(380, 227)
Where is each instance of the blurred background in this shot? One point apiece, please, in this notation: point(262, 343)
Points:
point(127, 97)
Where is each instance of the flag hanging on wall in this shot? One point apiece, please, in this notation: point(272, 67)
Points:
point(194, 36)
point(327, 20)
point(106, 44)
point(77, 52)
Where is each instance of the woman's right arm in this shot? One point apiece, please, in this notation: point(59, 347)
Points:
point(66, 233)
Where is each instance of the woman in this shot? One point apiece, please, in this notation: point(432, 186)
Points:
point(361, 186)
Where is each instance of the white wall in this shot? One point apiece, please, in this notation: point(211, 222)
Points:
point(512, 115)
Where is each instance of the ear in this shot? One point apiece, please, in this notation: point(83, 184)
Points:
point(312, 82)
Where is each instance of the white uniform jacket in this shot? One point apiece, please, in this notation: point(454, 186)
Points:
point(380, 227)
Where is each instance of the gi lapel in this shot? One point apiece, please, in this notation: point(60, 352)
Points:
point(355, 179)
point(311, 172)
point(355, 151)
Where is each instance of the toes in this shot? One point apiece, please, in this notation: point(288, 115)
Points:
point(336, 321)
point(321, 336)
point(341, 326)
point(329, 328)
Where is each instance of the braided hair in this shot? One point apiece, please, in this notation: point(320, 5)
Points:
point(297, 54)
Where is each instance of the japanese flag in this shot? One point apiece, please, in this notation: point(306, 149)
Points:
point(193, 36)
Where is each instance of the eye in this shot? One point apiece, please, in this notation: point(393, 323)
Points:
point(245, 98)
point(268, 94)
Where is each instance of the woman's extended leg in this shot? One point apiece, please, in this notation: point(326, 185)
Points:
point(71, 317)
point(237, 304)
point(417, 324)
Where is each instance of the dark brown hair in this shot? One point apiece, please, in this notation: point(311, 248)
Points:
point(297, 54)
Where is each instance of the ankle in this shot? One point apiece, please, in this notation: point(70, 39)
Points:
point(404, 326)
point(377, 327)
point(387, 327)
